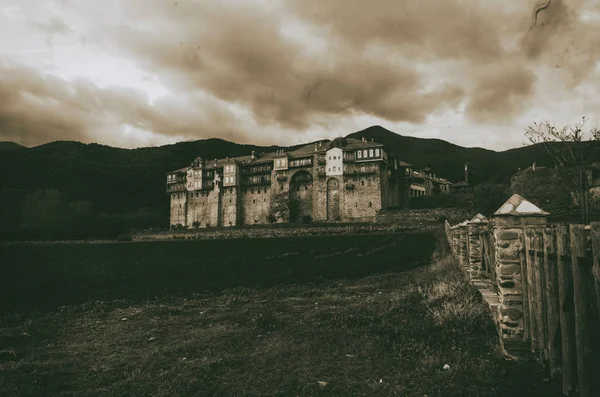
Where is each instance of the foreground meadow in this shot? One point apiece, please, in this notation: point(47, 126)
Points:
point(401, 331)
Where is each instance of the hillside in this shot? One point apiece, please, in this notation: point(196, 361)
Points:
point(122, 180)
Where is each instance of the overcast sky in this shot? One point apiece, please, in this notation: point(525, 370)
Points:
point(133, 73)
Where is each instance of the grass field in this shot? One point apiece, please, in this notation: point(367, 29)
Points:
point(387, 329)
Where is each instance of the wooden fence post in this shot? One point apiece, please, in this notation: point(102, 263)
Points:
point(530, 333)
point(566, 317)
point(552, 308)
point(540, 295)
point(595, 236)
point(582, 306)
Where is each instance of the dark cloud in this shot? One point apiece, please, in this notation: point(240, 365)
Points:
point(299, 64)
point(239, 52)
point(37, 108)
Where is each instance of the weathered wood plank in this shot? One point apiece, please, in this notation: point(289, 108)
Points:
point(566, 319)
point(526, 281)
point(539, 296)
point(552, 301)
point(595, 236)
point(581, 308)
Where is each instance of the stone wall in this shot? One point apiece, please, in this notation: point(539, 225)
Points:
point(197, 209)
point(422, 217)
point(178, 208)
point(264, 231)
point(231, 206)
point(256, 203)
point(502, 288)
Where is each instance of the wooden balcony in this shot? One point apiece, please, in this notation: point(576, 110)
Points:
point(171, 188)
point(366, 172)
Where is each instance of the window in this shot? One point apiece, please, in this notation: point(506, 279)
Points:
point(370, 152)
point(365, 153)
point(362, 183)
point(359, 154)
point(278, 163)
point(370, 204)
point(329, 169)
point(334, 168)
point(253, 201)
point(377, 152)
point(329, 157)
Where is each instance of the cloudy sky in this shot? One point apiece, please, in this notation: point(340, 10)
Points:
point(133, 73)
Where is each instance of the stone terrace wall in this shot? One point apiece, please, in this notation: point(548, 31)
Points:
point(272, 231)
point(421, 217)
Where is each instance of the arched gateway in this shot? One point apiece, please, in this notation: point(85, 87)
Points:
point(301, 188)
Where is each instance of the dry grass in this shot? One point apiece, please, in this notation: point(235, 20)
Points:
point(380, 335)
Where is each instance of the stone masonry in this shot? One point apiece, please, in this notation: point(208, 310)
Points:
point(347, 180)
point(476, 227)
point(508, 224)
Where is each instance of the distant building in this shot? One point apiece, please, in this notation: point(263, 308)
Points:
point(339, 180)
point(462, 186)
point(424, 183)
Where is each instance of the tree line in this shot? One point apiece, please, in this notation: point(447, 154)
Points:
point(47, 214)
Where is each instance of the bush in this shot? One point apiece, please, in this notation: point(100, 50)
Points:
point(452, 200)
point(124, 237)
point(306, 219)
point(488, 198)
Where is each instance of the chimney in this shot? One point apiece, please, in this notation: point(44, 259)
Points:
point(315, 146)
point(253, 156)
point(227, 159)
point(533, 166)
point(372, 139)
point(466, 173)
point(215, 162)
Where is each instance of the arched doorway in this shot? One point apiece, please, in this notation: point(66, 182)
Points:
point(301, 185)
point(333, 199)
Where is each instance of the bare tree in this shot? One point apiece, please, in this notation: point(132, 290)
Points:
point(573, 152)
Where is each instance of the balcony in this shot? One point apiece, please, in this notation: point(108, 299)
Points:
point(321, 161)
point(256, 170)
point(349, 160)
point(256, 182)
point(366, 172)
point(296, 165)
point(175, 187)
point(282, 178)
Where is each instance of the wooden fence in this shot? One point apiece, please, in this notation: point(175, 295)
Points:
point(561, 302)
point(559, 281)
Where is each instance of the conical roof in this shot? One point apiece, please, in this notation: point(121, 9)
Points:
point(517, 205)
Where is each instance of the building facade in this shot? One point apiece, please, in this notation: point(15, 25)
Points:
point(340, 180)
point(424, 183)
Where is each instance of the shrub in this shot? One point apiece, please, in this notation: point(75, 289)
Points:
point(124, 237)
